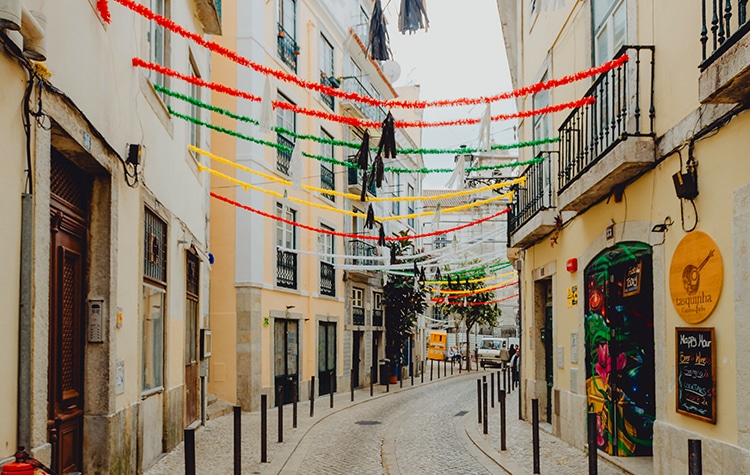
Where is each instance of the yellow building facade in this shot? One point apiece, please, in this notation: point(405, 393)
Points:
point(630, 236)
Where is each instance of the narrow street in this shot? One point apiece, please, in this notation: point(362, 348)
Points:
point(428, 428)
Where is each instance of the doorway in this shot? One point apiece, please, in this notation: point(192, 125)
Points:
point(356, 356)
point(375, 356)
point(549, 370)
point(326, 358)
point(619, 325)
point(286, 359)
point(69, 206)
point(192, 393)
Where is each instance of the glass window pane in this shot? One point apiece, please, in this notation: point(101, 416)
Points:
point(331, 346)
point(291, 348)
point(279, 348)
point(153, 337)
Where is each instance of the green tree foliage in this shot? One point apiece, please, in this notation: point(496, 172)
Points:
point(403, 302)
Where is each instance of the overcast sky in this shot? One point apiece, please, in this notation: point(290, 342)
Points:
point(461, 55)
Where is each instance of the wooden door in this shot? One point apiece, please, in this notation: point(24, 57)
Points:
point(286, 359)
point(192, 393)
point(68, 231)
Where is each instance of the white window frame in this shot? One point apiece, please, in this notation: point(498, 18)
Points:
point(286, 234)
point(358, 298)
point(542, 123)
point(152, 344)
point(327, 244)
point(159, 44)
point(377, 299)
point(605, 30)
point(195, 111)
point(287, 15)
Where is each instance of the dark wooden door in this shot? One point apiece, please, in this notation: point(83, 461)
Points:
point(286, 359)
point(192, 393)
point(326, 358)
point(356, 360)
point(68, 231)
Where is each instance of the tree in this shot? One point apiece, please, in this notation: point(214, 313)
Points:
point(471, 309)
point(403, 301)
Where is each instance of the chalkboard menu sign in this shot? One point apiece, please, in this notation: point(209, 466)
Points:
point(696, 373)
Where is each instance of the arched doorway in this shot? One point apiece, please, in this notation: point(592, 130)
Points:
point(619, 324)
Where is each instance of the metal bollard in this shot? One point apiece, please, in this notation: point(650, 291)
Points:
point(263, 428)
point(492, 389)
point(695, 457)
point(520, 400)
point(502, 420)
point(372, 375)
point(421, 371)
point(535, 432)
point(237, 440)
point(438, 363)
point(189, 451)
point(484, 408)
point(331, 379)
point(445, 368)
point(312, 396)
point(294, 405)
point(388, 380)
point(453, 363)
point(498, 385)
point(593, 454)
point(479, 400)
point(280, 405)
point(351, 385)
point(432, 365)
point(412, 374)
point(400, 377)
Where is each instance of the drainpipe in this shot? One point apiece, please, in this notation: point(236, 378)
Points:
point(24, 327)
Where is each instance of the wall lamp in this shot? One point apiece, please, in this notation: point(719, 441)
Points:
point(662, 227)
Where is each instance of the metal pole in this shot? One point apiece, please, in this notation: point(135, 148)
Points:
point(280, 405)
point(498, 385)
point(479, 400)
point(484, 407)
point(294, 405)
point(593, 454)
point(263, 428)
point(432, 366)
point(438, 365)
point(695, 457)
point(400, 377)
point(502, 420)
point(331, 377)
point(413, 367)
point(388, 379)
point(453, 362)
point(372, 376)
point(189, 451)
point(492, 389)
point(520, 401)
point(351, 385)
point(237, 440)
point(421, 371)
point(535, 432)
point(312, 396)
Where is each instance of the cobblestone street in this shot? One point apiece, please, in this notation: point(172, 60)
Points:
point(428, 428)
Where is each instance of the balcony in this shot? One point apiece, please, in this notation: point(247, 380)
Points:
point(327, 180)
point(363, 111)
point(209, 14)
point(288, 49)
point(725, 69)
point(609, 142)
point(286, 269)
point(532, 214)
point(377, 318)
point(355, 182)
point(283, 155)
point(327, 279)
point(358, 316)
point(329, 81)
point(362, 251)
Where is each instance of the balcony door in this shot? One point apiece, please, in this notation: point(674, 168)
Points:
point(609, 28)
point(286, 359)
point(619, 322)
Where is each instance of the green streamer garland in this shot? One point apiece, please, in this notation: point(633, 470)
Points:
point(352, 145)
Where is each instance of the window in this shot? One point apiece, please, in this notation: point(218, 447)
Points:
point(288, 16)
point(410, 204)
point(192, 268)
point(358, 306)
point(377, 309)
point(327, 70)
point(286, 237)
point(327, 174)
point(195, 93)
point(287, 46)
point(610, 28)
point(542, 123)
point(327, 271)
point(363, 26)
point(153, 301)
point(159, 44)
point(287, 120)
point(396, 205)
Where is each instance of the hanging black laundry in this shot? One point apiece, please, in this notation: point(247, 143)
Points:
point(370, 221)
point(422, 277)
point(381, 236)
point(363, 195)
point(363, 154)
point(416, 270)
point(413, 16)
point(378, 48)
point(393, 254)
point(378, 170)
point(438, 275)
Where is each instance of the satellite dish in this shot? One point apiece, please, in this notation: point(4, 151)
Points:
point(391, 70)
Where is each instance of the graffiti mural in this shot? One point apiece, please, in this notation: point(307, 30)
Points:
point(620, 348)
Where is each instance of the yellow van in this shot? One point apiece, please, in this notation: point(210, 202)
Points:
point(436, 348)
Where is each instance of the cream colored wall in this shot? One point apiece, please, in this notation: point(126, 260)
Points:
point(11, 186)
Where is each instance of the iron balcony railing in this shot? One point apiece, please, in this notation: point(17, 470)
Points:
point(535, 196)
point(327, 180)
point(358, 316)
point(374, 113)
point(355, 178)
point(362, 249)
point(377, 318)
point(287, 48)
point(330, 82)
point(283, 155)
point(624, 107)
point(286, 269)
point(724, 23)
point(327, 279)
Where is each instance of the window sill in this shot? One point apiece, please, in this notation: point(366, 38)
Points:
point(151, 392)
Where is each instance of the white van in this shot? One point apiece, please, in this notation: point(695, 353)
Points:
point(489, 350)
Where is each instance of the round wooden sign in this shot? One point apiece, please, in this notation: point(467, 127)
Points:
point(696, 277)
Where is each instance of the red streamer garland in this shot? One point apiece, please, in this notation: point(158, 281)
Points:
point(477, 304)
point(355, 236)
point(353, 121)
point(103, 7)
point(329, 91)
